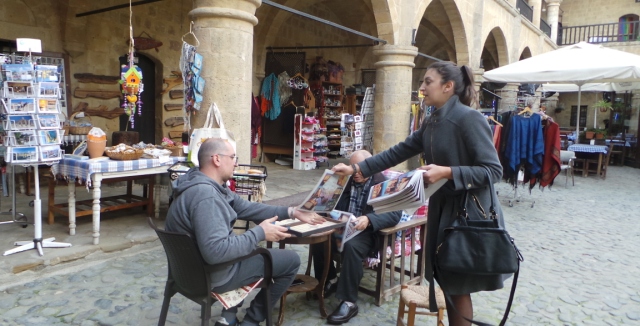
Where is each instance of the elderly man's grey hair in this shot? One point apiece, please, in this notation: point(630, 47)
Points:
point(210, 147)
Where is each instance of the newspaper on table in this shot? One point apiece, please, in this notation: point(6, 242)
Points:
point(234, 297)
point(324, 197)
point(349, 231)
point(406, 192)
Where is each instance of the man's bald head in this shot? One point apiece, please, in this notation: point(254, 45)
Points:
point(359, 156)
point(210, 147)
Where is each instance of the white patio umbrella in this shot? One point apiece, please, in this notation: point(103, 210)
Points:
point(577, 64)
point(591, 87)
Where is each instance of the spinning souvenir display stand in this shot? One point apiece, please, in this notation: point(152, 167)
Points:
point(32, 131)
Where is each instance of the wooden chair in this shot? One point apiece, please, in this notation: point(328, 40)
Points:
point(415, 297)
point(189, 274)
point(411, 274)
point(618, 151)
point(592, 164)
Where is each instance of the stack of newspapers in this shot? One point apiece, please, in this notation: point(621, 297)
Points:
point(406, 192)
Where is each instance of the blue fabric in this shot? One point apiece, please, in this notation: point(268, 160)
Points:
point(525, 144)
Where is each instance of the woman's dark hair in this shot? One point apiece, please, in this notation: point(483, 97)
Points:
point(462, 78)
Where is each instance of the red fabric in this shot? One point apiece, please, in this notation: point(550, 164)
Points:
point(551, 161)
point(496, 137)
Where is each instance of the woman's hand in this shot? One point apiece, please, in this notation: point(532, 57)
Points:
point(342, 169)
point(435, 173)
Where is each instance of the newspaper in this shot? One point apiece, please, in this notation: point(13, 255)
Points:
point(349, 231)
point(234, 297)
point(405, 192)
point(324, 197)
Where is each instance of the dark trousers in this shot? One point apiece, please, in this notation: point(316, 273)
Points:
point(285, 267)
point(354, 253)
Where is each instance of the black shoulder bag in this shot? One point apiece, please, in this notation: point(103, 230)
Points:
point(477, 247)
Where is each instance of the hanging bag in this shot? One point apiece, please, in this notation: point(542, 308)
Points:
point(477, 246)
point(208, 131)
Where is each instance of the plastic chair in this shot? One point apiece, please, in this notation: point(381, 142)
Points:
point(567, 158)
point(189, 273)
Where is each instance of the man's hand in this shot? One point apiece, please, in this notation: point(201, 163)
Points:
point(362, 222)
point(307, 217)
point(274, 232)
point(342, 169)
point(435, 173)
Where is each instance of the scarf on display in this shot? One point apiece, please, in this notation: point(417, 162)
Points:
point(525, 146)
point(270, 95)
point(551, 162)
point(357, 196)
point(191, 68)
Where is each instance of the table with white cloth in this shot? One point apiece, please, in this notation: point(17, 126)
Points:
point(92, 173)
point(601, 150)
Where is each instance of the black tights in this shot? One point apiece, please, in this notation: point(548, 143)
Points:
point(464, 306)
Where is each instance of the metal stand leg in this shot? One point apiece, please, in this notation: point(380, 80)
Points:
point(37, 243)
point(17, 217)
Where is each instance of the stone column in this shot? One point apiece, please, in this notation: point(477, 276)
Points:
point(509, 95)
point(225, 32)
point(553, 11)
point(393, 96)
point(537, 9)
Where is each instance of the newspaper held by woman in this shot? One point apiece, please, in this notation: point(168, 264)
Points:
point(405, 192)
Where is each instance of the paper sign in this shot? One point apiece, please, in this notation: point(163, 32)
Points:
point(29, 45)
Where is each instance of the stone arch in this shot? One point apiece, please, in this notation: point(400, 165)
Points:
point(455, 23)
point(494, 51)
point(525, 53)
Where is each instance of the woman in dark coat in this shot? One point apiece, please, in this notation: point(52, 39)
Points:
point(457, 145)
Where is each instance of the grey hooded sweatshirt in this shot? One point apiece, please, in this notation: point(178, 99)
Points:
point(207, 211)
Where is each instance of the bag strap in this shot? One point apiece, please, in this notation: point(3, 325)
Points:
point(432, 298)
point(218, 116)
point(462, 212)
point(209, 121)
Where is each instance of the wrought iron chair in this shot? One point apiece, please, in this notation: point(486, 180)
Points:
point(189, 273)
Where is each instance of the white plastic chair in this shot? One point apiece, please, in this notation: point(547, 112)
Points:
point(567, 158)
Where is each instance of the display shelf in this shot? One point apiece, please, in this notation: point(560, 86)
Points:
point(303, 143)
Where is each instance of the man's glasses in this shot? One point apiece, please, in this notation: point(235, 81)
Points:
point(233, 157)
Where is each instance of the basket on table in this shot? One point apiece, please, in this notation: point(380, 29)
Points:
point(127, 155)
point(74, 130)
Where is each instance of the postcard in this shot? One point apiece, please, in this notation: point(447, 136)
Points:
point(48, 106)
point(23, 154)
point(18, 89)
point(48, 121)
point(23, 138)
point(18, 72)
point(324, 197)
point(48, 89)
point(46, 73)
point(49, 137)
point(357, 118)
point(50, 153)
point(20, 122)
point(22, 105)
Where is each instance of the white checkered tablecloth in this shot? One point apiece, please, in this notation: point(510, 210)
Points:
point(583, 148)
point(82, 170)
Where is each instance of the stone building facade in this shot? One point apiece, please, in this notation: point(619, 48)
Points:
point(234, 37)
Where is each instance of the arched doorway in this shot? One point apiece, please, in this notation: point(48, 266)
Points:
point(145, 123)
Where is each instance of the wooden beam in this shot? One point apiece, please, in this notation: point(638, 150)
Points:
point(96, 79)
point(100, 111)
point(125, 5)
point(176, 93)
point(173, 107)
point(84, 93)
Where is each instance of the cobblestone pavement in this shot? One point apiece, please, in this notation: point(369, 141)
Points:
point(580, 244)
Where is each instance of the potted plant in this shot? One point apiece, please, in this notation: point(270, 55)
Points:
point(601, 133)
point(590, 133)
point(602, 105)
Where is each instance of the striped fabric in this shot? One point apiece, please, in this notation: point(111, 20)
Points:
point(583, 148)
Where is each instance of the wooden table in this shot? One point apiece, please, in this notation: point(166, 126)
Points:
point(93, 173)
point(311, 284)
point(601, 150)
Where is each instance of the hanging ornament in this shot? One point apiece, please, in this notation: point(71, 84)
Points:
point(131, 80)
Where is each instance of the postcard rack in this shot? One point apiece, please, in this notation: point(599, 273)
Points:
point(31, 131)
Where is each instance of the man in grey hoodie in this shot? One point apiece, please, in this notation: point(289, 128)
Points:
point(204, 207)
